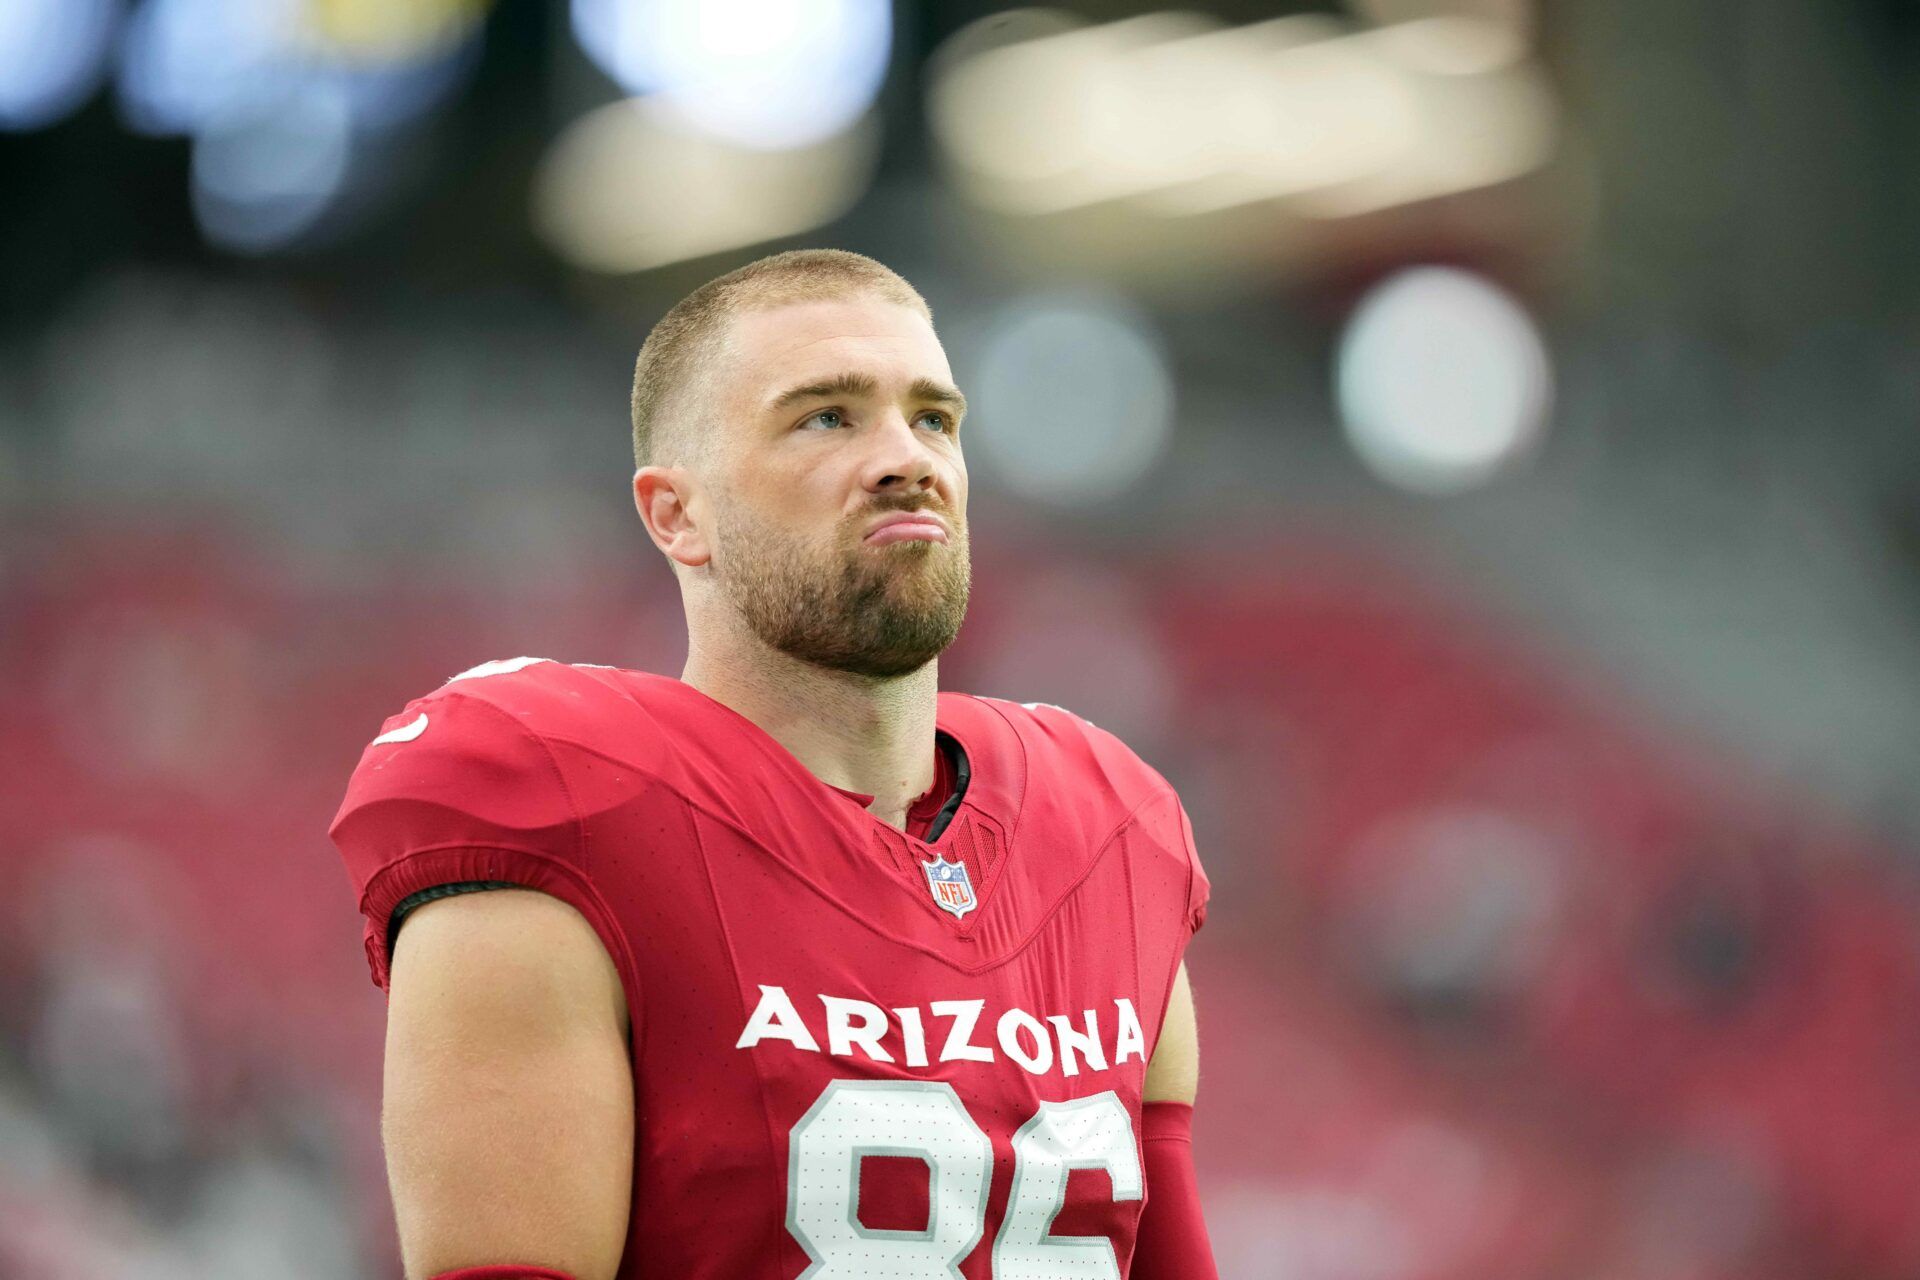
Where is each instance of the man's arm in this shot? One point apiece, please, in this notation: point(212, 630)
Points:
point(1174, 1073)
point(508, 1113)
point(1172, 1241)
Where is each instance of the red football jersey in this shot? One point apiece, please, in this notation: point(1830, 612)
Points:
point(855, 1053)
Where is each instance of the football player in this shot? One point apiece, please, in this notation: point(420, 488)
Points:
point(794, 965)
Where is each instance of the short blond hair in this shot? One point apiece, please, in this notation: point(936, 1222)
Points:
point(682, 350)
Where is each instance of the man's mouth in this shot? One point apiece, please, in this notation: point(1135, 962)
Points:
point(903, 526)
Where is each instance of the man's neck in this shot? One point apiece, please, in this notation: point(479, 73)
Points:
point(863, 734)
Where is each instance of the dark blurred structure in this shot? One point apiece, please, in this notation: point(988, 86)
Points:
point(1467, 446)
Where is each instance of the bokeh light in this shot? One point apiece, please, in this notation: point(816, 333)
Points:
point(186, 62)
point(1075, 397)
point(1560, 833)
point(1041, 113)
point(1062, 119)
point(387, 95)
point(183, 61)
point(632, 186)
point(52, 54)
point(1312, 109)
point(1441, 379)
point(385, 31)
point(264, 174)
point(276, 94)
point(770, 74)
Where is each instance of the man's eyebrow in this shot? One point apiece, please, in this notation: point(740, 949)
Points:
point(860, 384)
point(939, 393)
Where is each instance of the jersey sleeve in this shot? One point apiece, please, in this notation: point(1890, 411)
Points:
point(1164, 816)
point(457, 792)
point(1114, 768)
point(1199, 888)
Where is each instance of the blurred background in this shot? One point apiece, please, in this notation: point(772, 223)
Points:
point(1467, 445)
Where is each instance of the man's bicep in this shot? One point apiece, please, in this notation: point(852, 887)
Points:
point(1174, 1073)
point(508, 1112)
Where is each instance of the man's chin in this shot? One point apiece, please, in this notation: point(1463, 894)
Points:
point(922, 597)
point(883, 668)
point(906, 548)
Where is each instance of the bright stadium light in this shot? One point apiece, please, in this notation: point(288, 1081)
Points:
point(1486, 114)
point(1170, 115)
point(767, 74)
point(1453, 45)
point(264, 177)
point(1442, 380)
point(394, 30)
point(1075, 399)
point(384, 95)
point(1326, 112)
point(278, 95)
point(632, 186)
point(1062, 119)
point(185, 63)
point(52, 53)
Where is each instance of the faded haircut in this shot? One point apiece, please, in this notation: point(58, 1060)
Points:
point(672, 388)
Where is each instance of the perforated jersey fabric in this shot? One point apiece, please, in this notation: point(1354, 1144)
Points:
point(854, 1049)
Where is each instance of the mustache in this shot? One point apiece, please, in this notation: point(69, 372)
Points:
point(916, 502)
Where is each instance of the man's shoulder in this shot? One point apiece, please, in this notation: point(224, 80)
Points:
point(547, 700)
point(495, 778)
point(1086, 791)
point(1065, 747)
point(511, 724)
point(517, 745)
point(545, 686)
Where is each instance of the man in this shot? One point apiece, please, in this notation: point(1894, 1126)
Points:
point(794, 965)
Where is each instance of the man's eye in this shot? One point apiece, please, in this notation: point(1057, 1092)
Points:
point(825, 413)
point(946, 423)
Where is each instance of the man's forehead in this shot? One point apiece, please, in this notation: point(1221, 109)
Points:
point(771, 348)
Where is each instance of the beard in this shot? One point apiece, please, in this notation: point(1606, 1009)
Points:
point(879, 611)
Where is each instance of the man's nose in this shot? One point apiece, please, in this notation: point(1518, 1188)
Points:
point(901, 461)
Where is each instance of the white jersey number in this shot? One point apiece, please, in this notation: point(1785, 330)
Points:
point(925, 1120)
point(1087, 1133)
point(858, 1118)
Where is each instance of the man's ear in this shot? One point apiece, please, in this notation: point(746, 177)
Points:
point(666, 498)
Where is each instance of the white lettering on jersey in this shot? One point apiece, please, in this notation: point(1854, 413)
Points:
point(405, 733)
point(775, 1018)
point(860, 1028)
point(959, 1046)
point(1131, 1042)
point(914, 1034)
point(1038, 1060)
point(498, 667)
point(851, 1022)
point(1072, 1041)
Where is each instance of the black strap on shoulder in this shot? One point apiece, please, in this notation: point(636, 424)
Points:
point(414, 901)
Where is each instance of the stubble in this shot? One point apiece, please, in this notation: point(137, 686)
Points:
point(879, 612)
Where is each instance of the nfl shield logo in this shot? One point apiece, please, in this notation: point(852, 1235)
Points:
point(952, 889)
